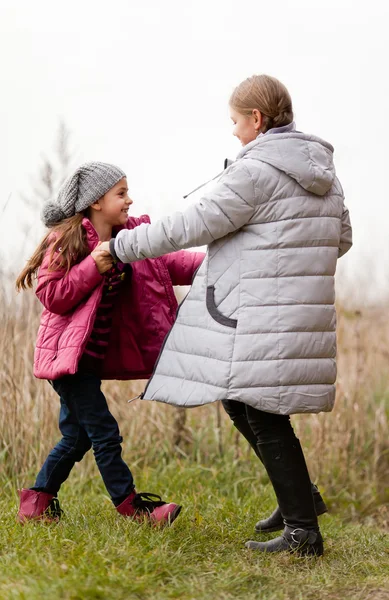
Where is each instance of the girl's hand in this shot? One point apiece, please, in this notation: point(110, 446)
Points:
point(102, 258)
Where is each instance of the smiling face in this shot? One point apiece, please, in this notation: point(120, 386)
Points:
point(246, 127)
point(114, 205)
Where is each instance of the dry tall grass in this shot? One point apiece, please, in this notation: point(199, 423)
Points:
point(347, 450)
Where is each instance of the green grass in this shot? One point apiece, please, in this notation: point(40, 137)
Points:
point(93, 553)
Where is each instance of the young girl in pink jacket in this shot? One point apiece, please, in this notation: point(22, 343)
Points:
point(101, 320)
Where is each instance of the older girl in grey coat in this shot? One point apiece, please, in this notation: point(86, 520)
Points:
point(257, 329)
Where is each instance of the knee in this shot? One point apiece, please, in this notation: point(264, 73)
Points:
point(75, 447)
point(109, 445)
point(81, 450)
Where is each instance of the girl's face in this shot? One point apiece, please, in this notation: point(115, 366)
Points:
point(246, 128)
point(114, 205)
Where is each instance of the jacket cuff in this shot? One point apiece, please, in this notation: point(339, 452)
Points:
point(112, 249)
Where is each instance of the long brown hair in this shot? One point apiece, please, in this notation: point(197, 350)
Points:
point(68, 243)
point(266, 94)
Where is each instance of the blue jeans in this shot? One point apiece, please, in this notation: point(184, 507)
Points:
point(85, 422)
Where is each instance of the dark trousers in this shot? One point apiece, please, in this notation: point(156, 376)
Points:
point(273, 438)
point(85, 422)
point(265, 426)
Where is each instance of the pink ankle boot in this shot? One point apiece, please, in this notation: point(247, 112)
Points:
point(38, 506)
point(143, 507)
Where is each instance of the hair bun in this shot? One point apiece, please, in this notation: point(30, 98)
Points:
point(283, 118)
point(52, 214)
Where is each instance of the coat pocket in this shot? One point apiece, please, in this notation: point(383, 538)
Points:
point(57, 344)
point(214, 312)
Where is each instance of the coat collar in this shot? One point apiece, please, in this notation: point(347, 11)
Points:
point(260, 137)
point(92, 235)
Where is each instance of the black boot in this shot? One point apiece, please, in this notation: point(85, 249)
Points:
point(285, 465)
point(275, 522)
point(302, 541)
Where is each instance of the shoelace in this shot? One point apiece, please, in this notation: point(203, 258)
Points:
point(54, 510)
point(145, 501)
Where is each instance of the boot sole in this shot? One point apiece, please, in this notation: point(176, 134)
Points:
point(167, 522)
point(41, 519)
point(320, 510)
point(307, 551)
point(173, 515)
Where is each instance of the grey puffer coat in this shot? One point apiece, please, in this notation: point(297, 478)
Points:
point(258, 324)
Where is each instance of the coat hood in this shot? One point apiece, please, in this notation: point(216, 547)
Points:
point(306, 158)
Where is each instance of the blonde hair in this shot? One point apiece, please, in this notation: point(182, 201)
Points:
point(266, 94)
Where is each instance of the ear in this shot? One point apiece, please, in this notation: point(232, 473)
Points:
point(95, 205)
point(257, 116)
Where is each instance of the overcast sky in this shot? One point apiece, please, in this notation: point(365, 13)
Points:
point(146, 84)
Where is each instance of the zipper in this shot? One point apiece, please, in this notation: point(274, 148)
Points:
point(141, 396)
point(161, 350)
point(227, 163)
point(195, 273)
point(136, 398)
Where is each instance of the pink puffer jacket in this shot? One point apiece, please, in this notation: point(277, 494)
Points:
point(144, 312)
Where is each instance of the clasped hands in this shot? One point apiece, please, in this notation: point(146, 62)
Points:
point(102, 257)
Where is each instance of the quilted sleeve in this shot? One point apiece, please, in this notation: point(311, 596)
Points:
point(228, 207)
point(60, 292)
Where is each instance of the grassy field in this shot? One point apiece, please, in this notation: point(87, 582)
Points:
point(95, 553)
point(196, 457)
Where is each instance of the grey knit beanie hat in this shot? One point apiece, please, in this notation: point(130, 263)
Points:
point(87, 185)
